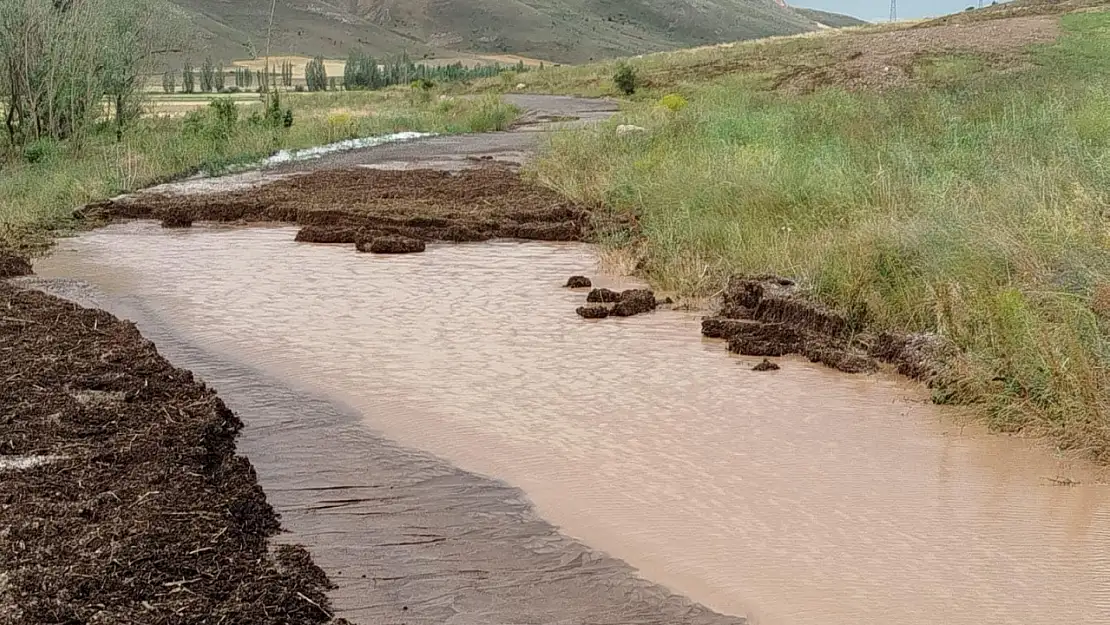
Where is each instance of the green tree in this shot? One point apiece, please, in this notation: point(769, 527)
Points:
point(188, 78)
point(207, 75)
point(315, 76)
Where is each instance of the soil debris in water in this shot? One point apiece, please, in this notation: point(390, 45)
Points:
point(346, 205)
point(603, 296)
point(766, 365)
point(634, 302)
point(578, 282)
point(770, 316)
point(391, 244)
point(12, 265)
point(176, 219)
point(592, 312)
point(145, 513)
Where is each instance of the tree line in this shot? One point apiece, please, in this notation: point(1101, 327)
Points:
point(60, 58)
point(362, 71)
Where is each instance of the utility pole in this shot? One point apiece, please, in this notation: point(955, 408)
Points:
point(893, 10)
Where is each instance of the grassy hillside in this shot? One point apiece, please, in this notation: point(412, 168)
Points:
point(832, 20)
point(566, 31)
point(946, 178)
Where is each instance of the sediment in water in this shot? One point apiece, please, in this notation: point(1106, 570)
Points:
point(147, 515)
point(391, 245)
point(13, 266)
point(769, 315)
point(340, 206)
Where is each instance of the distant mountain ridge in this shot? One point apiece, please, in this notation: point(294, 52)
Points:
point(565, 31)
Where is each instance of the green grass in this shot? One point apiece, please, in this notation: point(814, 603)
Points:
point(39, 198)
point(976, 207)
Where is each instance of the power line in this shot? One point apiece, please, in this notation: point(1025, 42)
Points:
point(893, 10)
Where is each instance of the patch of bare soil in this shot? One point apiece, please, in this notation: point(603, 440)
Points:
point(349, 205)
point(770, 316)
point(13, 265)
point(1015, 8)
point(887, 59)
point(145, 514)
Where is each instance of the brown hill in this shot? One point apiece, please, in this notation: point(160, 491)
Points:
point(567, 31)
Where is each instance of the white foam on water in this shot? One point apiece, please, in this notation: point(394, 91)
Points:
point(286, 156)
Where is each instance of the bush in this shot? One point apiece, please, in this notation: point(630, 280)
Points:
point(41, 150)
point(673, 102)
point(287, 119)
point(626, 79)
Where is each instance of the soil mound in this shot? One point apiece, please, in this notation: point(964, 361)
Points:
point(886, 60)
point(578, 282)
point(766, 365)
point(634, 302)
point(468, 205)
point(769, 316)
point(593, 312)
point(177, 219)
point(603, 296)
point(329, 234)
point(391, 245)
point(146, 515)
point(12, 266)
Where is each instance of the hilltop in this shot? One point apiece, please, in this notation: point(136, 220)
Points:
point(563, 31)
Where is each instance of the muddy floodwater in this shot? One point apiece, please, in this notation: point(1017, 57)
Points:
point(799, 497)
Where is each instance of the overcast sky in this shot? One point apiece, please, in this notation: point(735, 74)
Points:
point(880, 9)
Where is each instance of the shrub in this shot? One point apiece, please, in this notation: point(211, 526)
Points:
point(626, 79)
point(673, 102)
point(41, 150)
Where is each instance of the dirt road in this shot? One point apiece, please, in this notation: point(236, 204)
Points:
point(541, 113)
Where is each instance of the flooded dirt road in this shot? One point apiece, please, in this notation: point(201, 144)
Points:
point(797, 497)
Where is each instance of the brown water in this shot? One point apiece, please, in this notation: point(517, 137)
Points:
point(798, 497)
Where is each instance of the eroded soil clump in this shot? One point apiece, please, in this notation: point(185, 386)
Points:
point(177, 220)
point(624, 304)
point(578, 282)
point(391, 245)
point(349, 205)
point(145, 515)
point(13, 266)
point(770, 316)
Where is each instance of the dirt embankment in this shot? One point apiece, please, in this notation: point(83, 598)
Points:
point(770, 316)
point(891, 59)
point(121, 498)
point(360, 204)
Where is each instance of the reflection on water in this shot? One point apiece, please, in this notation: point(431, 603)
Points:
point(797, 497)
